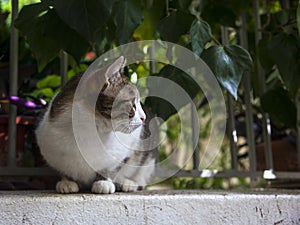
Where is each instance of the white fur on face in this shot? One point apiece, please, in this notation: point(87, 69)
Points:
point(140, 116)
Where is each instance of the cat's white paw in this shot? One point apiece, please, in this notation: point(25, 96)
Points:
point(103, 187)
point(66, 186)
point(129, 186)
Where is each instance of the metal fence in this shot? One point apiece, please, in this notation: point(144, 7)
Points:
point(268, 173)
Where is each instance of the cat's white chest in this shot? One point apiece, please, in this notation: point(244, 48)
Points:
point(120, 145)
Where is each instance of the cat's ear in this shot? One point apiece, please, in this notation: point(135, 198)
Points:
point(114, 69)
point(101, 78)
point(113, 72)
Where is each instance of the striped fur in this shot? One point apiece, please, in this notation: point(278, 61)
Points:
point(123, 162)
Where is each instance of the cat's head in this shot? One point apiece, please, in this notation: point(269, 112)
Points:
point(119, 100)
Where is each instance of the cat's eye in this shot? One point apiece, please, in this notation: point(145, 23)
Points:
point(133, 108)
point(133, 104)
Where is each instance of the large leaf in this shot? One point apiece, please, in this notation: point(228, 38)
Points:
point(152, 15)
point(65, 38)
point(163, 108)
point(31, 23)
point(51, 81)
point(266, 60)
point(221, 12)
point(228, 63)
point(105, 38)
point(284, 50)
point(47, 34)
point(84, 16)
point(200, 34)
point(173, 26)
point(279, 105)
point(127, 16)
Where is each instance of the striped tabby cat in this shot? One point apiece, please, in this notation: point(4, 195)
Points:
point(120, 164)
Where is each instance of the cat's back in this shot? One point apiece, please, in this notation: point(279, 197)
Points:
point(55, 136)
point(57, 119)
point(63, 100)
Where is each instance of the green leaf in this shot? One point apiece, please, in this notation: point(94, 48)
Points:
point(51, 81)
point(279, 105)
point(228, 63)
point(47, 92)
point(282, 17)
point(264, 56)
point(223, 12)
point(47, 34)
point(79, 69)
point(84, 16)
point(31, 23)
point(163, 108)
point(200, 34)
point(64, 37)
point(105, 38)
point(173, 26)
point(147, 29)
point(127, 16)
point(284, 50)
point(181, 78)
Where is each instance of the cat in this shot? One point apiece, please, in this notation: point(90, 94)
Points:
point(123, 162)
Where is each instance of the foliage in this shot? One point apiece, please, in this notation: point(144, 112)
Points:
point(279, 54)
point(228, 63)
point(77, 26)
point(200, 35)
point(47, 87)
point(26, 61)
point(286, 112)
point(162, 107)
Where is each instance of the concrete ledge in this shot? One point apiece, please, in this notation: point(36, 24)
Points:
point(152, 207)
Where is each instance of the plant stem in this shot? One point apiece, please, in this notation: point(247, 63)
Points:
point(215, 40)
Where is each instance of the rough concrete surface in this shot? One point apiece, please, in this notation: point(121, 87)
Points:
point(151, 207)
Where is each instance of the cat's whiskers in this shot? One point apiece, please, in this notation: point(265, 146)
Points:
point(125, 126)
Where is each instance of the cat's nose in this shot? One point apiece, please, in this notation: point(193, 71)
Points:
point(142, 119)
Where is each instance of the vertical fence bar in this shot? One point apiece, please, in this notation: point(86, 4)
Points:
point(13, 85)
point(195, 134)
point(298, 128)
point(196, 159)
point(151, 51)
point(262, 88)
point(63, 67)
point(232, 134)
point(248, 102)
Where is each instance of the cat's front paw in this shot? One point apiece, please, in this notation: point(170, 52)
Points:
point(66, 186)
point(129, 186)
point(103, 187)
